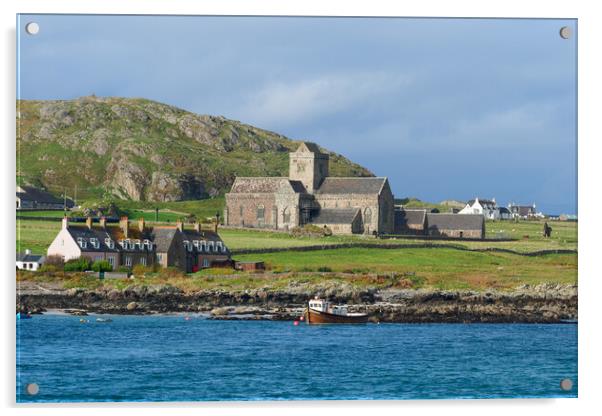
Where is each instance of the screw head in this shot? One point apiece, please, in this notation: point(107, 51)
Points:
point(32, 28)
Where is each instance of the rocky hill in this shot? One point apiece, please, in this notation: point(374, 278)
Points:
point(143, 150)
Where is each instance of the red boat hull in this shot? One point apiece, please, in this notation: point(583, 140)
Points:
point(317, 317)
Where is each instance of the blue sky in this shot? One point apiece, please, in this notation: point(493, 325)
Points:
point(446, 108)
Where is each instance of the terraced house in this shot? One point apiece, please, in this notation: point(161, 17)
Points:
point(310, 196)
point(123, 245)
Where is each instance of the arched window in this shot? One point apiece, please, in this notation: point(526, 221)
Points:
point(367, 216)
point(260, 212)
point(286, 215)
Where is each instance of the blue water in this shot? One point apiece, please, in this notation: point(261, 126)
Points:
point(159, 358)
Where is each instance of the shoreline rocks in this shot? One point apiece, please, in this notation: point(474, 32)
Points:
point(526, 304)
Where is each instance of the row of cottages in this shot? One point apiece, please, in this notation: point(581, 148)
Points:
point(489, 209)
point(310, 196)
point(123, 245)
point(419, 222)
point(29, 197)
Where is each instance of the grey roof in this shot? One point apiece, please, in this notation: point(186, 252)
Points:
point(37, 195)
point(163, 237)
point(335, 216)
point(312, 147)
point(482, 202)
point(504, 210)
point(86, 234)
point(265, 185)
point(407, 217)
point(455, 221)
point(351, 186)
point(203, 235)
point(298, 187)
point(29, 258)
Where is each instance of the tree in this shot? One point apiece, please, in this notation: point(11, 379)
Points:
point(80, 264)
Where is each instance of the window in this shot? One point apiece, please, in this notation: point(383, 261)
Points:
point(159, 257)
point(368, 216)
point(111, 261)
point(260, 213)
point(128, 261)
point(286, 215)
point(205, 262)
point(143, 261)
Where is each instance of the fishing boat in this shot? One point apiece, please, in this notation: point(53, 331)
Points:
point(320, 311)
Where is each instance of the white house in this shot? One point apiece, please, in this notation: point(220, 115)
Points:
point(28, 261)
point(487, 208)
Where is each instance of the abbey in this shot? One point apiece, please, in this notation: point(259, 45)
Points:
point(310, 196)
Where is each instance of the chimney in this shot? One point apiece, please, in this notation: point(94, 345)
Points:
point(124, 225)
point(103, 222)
point(197, 227)
point(215, 224)
point(65, 222)
point(89, 222)
point(141, 224)
point(179, 225)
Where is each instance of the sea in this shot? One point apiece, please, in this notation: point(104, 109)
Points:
point(190, 358)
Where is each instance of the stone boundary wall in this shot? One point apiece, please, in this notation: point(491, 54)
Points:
point(399, 246)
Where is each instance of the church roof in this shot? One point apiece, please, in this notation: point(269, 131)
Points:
point(310, 146)
point(455, 221)
point(351, 186)
point(265, 185)
point(335, 216)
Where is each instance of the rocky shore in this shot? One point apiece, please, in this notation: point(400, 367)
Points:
point(545, 303)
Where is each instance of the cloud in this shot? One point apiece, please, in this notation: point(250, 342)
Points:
point(305, 100)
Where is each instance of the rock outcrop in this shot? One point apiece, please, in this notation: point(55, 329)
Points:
point(143, 150)
point(541, 304)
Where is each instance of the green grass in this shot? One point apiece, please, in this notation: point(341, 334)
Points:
point(441, 268)
point(37, 235)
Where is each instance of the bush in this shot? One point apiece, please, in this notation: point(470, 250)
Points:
point(102, 266)
point(48, 268)
point(123, 269)
point(310, 230)
point(55, 261)
point(78, 265)
point(324, 269)
point(140, 270)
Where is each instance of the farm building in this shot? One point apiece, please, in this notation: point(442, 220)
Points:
point(410, 221)
point(29, 197)
point(455, 225)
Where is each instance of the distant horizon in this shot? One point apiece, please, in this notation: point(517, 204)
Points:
point(445, 108)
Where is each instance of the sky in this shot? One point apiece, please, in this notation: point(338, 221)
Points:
point(445, 108)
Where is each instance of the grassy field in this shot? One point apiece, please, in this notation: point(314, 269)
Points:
point(37, 235)
point(440, 268)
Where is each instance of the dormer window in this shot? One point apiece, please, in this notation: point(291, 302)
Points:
point(82, 243)
point(95, 243)
point(188, 245)
point(109, 243)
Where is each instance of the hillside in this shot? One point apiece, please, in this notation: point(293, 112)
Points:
point(143, 150)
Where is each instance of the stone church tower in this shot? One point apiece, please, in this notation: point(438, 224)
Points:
point(309, 166)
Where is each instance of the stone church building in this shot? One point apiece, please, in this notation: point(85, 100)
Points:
point(310, 196)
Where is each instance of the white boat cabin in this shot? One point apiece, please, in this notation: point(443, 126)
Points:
point(325, 306)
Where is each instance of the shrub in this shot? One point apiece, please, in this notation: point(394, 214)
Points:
point(171, 273)
point(140, 270)
point(102, 266)
point(310, 230)
point(56, 261)
point(80, 264)
point(123, 269)
point(324, 269)
point(48, 268)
